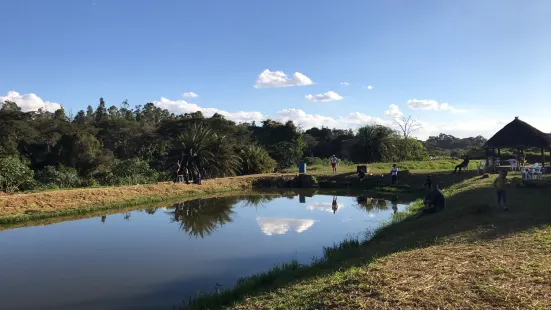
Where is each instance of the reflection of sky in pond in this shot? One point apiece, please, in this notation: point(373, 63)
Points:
point(150, 261)
point(324, 206)
point(280, 226)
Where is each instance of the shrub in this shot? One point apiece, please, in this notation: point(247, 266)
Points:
point(286, 154)
point(61, 177)
point(255, 159)
point(130, 172)
point(14, 175)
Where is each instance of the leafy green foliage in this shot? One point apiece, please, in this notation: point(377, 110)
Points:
point(117, 145)
point(409, 149)
point(286, 154)
point(208, 152)
point(130, 172)
point(14, 174)
point(255, 159)
point(373, 143)
point(62, 177)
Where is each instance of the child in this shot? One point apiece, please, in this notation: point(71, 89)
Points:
point(334, 163)
point(499, 184)
point(394, 174)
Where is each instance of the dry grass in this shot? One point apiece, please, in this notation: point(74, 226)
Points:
point(97, 211)
point(509, 273)
point(51, 202)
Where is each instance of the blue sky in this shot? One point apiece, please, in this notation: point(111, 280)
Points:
point(486, 61)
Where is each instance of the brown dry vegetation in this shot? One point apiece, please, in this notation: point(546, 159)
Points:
point(52, 202)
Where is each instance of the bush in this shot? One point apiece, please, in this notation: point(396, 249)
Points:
point(130, 172)
point(62, 177)
point(14, 175)
point(286, 154)
point(255, 159)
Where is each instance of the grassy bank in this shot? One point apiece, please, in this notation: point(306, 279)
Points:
point(23, 207)
point(379, 168)
point(469, 256)
point(34, 206)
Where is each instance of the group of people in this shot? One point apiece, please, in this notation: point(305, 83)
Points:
point(183, 174)
point(435, 200)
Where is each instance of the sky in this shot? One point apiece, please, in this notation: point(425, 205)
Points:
point(459, 67)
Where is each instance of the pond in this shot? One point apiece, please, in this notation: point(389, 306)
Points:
point(155, 258)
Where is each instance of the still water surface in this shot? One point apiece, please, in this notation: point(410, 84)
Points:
point(155, 258)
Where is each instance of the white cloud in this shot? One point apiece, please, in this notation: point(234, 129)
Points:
point(280, 226)
point(30, 102)
point(345, 83)
point(268, 79)
point(323, 206)
point(353, 120)
point(393, 111)
point(485, 127)
point(369, 87)
point(431, 105)
point(328, 96)
point(182, 106)
point(190, 95)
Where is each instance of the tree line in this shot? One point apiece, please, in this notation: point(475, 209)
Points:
point(123, 145)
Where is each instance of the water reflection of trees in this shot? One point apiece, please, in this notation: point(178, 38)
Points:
point(372, 204)
point(258, 200)
point(201, 217)
point(150, 211)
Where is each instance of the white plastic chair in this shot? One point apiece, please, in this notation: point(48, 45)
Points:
point(537, 172)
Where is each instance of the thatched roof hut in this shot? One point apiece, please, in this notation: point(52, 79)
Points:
point(519, 135)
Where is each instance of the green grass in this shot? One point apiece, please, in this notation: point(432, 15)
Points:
point(471, 255)
point(429, 165)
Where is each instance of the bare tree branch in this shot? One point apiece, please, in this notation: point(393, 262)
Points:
point(407, 125)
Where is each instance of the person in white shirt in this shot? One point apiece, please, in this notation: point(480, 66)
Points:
point(334, 163)
point(394, 174)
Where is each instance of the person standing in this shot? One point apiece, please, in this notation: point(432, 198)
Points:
point(334, 163)
point(499, 184)
point(394, 174)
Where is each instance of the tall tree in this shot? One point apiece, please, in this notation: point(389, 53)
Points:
point(407, 125)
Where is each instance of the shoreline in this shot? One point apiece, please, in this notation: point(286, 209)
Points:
point(24, 207)
point(33, 206)
point(387, 268)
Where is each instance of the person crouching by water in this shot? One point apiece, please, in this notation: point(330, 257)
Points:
point(361, 174)
point(197, 179)
point(394, 174)
point(499, 183)
point(428, 182)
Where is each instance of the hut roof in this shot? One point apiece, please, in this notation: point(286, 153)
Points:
point(518, 134)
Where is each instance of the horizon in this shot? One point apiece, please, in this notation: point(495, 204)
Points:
point(464, 69)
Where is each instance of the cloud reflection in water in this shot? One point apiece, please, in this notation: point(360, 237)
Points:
point(280, 226)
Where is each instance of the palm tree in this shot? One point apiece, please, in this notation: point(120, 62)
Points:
point(374, 143)
point(207, 152)
point(255, 159)
point(201, 217)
